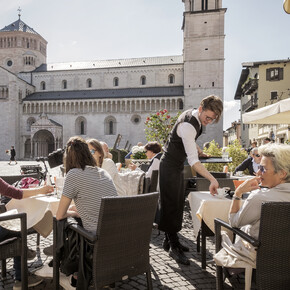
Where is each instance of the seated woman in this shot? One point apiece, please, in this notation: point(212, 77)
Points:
point(106, 150)
point(107, 164)
point(251, 163)
point(274, 176)
point(86, 184)
point(11, 191)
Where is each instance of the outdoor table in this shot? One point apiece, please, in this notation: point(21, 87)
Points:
point(40, 210)
point(204, 209)
point(215, 160)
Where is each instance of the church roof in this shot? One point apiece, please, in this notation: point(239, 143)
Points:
point(106, 93)
point(112, 63)
point(19, 25)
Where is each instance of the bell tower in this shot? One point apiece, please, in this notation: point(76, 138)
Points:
point(203, 55)
point(22, 49)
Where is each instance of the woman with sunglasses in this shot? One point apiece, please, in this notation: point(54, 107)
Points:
point(251, 163)
point(272, 183)
point(107, 164)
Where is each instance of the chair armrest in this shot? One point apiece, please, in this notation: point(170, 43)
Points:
point(81, 231)
point(13, 216)
point(220, 223)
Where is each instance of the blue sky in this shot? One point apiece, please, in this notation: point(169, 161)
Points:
point(76, 30)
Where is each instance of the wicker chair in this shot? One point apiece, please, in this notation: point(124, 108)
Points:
point(273, 247)
point(121, 244)
point(16, 247)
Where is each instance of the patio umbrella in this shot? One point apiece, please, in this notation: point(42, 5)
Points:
point(278, 113)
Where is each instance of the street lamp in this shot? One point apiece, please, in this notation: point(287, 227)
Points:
point(286, 6)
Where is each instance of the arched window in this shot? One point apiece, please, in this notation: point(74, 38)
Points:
point(42, 86)
point(116, 82)
point(64, 84)
point(89, 83)
point(143, 81)
point(30, 121)
point(171, 79)
point(180, 105)
point(81, 126)
point(110, 126)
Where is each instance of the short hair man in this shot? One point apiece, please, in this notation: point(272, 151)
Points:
point(181, 145)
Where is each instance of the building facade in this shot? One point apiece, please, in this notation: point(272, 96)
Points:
point(42, 105)
point(263, 83)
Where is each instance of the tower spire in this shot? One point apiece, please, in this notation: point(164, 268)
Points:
point(19, 12)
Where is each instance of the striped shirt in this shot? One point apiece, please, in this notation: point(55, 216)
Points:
point(86, 188)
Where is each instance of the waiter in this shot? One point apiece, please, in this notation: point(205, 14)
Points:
point(182, 144)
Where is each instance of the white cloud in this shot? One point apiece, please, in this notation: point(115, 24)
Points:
point(230, 105)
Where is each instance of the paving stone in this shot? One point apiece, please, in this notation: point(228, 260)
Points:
point(166, 273)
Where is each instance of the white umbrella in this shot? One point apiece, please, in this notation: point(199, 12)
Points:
point(278, 113)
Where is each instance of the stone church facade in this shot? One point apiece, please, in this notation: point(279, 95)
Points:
point(42, 105)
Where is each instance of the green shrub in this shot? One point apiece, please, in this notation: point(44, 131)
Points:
point(123, 153)
point(236, 152)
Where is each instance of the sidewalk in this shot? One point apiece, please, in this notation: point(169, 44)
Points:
point(166, 273)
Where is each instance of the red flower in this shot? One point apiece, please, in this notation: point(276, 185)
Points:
point(148, 119)
point(165, 111)
point(168, 116)
point(157, 113)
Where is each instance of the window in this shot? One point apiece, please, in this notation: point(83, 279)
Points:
point(116, 82)
point(274, 95)
point(110, 125)
point(89, 83)
point(143, 80)
point(171, 79)
point(180, 105)
point(30, 121)
point(81, 126)
point(64, 84)
point(9, 63)
point(204, 4)
point(274, 74)
point(42, 86)
point(136, 119)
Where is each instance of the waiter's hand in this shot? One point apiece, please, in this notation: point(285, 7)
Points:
point(214, 185)
point(202, 154)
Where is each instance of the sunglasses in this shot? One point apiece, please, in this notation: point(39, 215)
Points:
point(257, 155)
point(262, 168)
point(92, 151)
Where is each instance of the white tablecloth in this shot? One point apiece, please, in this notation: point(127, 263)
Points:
point(206, 207)
point(39, 209)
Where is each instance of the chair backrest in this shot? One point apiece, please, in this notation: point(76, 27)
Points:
point(13, 178)
point(154, 180)
point(273, 255)
point(124, 232)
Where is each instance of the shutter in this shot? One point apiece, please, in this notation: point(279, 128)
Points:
point(268, 71)
point(280, 77)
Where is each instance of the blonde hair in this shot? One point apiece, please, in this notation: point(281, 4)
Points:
point(279, 155)
point(99, 148)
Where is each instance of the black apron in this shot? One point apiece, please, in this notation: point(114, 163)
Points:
point(171, 180)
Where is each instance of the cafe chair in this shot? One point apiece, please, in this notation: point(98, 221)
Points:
point(150, 183)
point(121, 244)
point(14, 247)
point(273, 248)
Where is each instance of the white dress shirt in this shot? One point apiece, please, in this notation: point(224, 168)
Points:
point(188, 133)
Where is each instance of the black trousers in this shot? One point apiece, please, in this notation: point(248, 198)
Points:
point(171, 202)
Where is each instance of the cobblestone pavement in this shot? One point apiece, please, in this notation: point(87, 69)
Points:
point(166, 273)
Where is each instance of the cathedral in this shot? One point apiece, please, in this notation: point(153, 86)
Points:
point(43, 104)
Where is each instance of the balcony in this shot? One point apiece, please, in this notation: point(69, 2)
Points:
point(251, 105)
point(250, 86)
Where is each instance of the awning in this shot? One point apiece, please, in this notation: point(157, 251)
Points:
point(278, 113)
